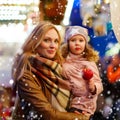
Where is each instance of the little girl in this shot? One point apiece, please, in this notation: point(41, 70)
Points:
point(81, 70)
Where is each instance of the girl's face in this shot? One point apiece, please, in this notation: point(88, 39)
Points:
point(49, 44)
point(77, 44)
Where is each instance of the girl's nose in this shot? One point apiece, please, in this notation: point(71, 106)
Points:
point(77, 42)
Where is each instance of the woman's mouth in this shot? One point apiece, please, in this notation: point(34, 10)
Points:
point(51, 51)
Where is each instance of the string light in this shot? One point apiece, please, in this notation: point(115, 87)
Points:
point(16, 10)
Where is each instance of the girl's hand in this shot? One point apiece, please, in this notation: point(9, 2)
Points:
point(92, 86)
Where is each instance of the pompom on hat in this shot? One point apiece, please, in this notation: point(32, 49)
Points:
point(76, 30)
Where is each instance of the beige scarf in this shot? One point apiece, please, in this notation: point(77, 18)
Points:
point(50, 73)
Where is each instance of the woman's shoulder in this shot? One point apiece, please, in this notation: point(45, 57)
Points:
point(27, 75)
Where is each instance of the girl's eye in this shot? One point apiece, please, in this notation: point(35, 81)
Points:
point(75, 40)
point(81, 40)
point(72, 40)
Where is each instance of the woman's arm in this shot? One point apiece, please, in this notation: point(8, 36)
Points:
point(30, 89)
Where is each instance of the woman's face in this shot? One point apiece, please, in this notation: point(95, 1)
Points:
point(77, 44)
point(49, 44)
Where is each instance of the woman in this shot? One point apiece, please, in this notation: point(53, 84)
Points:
point(42, 93)
point(81, 70)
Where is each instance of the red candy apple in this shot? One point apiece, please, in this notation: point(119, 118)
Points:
point(87, 74)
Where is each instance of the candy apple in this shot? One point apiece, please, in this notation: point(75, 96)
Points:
point(87, 74)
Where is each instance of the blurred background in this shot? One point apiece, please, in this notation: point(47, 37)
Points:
point(19, 17)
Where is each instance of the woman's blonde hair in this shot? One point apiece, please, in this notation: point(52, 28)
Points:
point(89, 53)
point(21, 61)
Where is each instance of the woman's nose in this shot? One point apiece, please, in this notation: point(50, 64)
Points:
point(52, 44)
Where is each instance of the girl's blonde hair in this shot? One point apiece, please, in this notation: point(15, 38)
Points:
point(89, 53)
point(21, 60)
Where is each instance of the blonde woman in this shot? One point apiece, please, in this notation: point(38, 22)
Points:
point(42, 93)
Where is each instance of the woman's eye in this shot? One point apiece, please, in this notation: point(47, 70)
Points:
point(56, 41)
point(49, 41)
point(46, 40)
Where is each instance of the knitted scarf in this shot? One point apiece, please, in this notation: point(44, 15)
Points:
point(49, 72)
